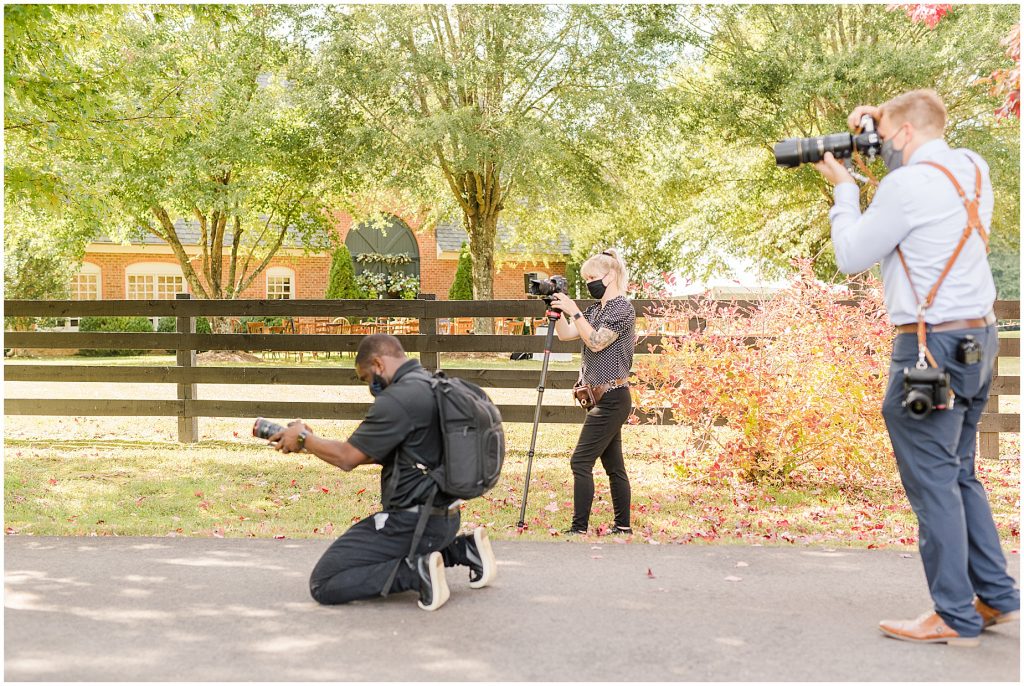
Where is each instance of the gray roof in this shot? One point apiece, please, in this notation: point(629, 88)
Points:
point(188, 234)
point(451, 236)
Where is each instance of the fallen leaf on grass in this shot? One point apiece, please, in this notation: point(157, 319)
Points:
point(552, 507)
point(138, 501)
point(53, 482)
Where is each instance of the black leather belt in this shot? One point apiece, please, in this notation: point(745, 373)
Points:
point(955, 325)
point(434, 511)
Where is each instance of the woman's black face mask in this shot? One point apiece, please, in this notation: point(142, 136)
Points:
point(596, 288)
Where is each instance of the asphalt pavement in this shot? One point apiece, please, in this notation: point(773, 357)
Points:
point(182, 609)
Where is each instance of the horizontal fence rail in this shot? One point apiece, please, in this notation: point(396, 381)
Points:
point(186, 375)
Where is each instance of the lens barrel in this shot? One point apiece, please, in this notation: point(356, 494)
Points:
point(793, 152)
point(264, 428)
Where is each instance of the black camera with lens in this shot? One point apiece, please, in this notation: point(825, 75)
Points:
point(264, 428)
point(793, 152)
point(925, 390)
point(544, 288)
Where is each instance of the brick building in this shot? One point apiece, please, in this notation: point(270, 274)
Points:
point(149, 270)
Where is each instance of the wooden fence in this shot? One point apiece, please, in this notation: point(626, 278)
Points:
point(428, 343)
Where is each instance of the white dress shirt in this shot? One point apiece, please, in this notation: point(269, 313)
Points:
point(917, 207)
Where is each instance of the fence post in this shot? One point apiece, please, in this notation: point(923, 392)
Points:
point(428, 327)
point(188, 426)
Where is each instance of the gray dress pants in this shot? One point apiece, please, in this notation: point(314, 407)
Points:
point(958, 541)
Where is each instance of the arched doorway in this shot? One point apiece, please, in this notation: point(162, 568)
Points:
point(386, 247)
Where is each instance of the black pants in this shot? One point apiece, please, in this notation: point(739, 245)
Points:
point(602, 437)
point(357, 565)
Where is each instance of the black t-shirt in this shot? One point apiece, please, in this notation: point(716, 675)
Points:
point(402, 426)
point(615, 361)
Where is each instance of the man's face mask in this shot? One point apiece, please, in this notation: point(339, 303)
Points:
point(377, 384)
point(892, 157)
point(596, 288)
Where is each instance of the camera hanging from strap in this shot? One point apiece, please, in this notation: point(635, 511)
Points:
point(924, 357)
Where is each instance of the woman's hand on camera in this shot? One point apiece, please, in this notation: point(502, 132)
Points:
point(564, 304)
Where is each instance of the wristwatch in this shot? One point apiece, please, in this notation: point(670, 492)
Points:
point(578, 315)
point(301, 439)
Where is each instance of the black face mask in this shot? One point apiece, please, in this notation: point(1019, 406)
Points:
point(377, 384)
point(596, 288)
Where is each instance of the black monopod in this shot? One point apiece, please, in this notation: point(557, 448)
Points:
point(553, 316)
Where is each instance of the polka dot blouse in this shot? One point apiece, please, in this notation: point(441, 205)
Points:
point(615, 361)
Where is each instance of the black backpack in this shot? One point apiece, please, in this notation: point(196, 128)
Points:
point(474, 440)
point(471, 457)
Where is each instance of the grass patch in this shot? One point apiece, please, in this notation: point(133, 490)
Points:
point(241, 489)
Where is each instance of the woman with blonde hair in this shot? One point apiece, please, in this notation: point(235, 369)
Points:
point(606, 329)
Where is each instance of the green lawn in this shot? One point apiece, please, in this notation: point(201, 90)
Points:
point(123, 476)
point(238, 487)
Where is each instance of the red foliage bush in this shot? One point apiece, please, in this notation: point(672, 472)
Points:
point(797, 380)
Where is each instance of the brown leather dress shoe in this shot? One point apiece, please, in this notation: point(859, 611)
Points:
point(992, 616)
point(928, 628)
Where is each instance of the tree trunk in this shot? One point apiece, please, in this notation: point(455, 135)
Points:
point(482, 234)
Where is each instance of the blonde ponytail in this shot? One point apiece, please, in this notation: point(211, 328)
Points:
point(610, 260)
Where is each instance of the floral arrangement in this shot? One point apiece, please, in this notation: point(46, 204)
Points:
point(377, 286)
point(380, 258)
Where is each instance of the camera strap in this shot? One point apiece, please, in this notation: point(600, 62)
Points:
point(973, 224)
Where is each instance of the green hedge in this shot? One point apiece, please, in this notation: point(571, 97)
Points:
point(113, 325)
point(170, 325)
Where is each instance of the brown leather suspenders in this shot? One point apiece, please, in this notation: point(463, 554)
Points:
point(973, 223)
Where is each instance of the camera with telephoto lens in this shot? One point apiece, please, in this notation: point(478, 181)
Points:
point(264, 428)
point(544, 288)
point(793, 152)
point(925, 390)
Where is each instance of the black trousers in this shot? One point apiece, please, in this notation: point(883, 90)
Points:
point(602, 437)
point(357, 565)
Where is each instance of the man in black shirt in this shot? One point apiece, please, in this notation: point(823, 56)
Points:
point(402, 433)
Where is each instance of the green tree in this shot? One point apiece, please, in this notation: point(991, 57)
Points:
point(462, 286)
point(341, 283)
point(492, 111)
point(767, 72)
point(174, 112)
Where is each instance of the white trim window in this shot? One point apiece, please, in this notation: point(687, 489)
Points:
point(85, 285)
point(280, 283)
point(153, 281)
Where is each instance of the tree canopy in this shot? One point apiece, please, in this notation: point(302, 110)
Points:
point(768, 72)
point(649, 127)
point(134, 118)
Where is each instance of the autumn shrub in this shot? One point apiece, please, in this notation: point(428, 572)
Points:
point(790, 383)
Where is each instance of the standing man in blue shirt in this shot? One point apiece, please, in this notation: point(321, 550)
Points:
point(913, 227)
